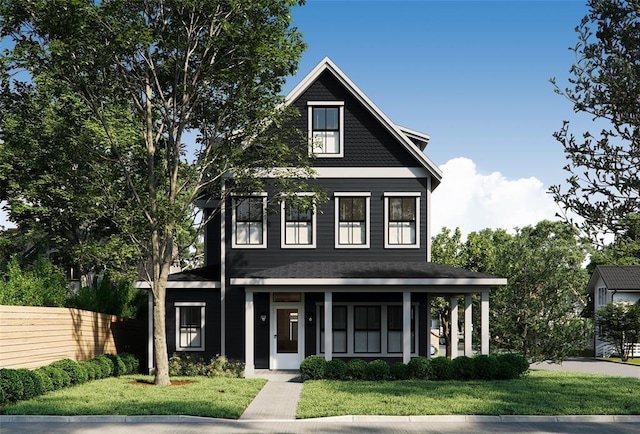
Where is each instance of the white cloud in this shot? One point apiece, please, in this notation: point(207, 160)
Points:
point(474, 201)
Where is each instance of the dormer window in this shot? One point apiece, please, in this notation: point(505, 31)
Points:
point(326, 120)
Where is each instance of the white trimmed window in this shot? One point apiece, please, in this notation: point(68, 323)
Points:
point(352, 220)
point(298, 225)
point(602, 296)
point(394, 329)
point(339, 319)
point(402, 220)
point(190, 326)
point(250, 221)
point(326, 128)
point(367, 329)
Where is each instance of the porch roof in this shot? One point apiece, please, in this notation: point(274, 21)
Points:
point(364, 273)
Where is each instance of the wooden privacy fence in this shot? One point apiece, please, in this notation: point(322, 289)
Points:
point(36, 336)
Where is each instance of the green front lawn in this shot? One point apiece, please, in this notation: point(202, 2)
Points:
point(540, 393)
point(133, 395)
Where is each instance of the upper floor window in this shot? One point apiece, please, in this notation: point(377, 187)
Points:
point(326, 120)
point(352, 219)
point(298, 225)
point(402, 220)
point(190, 321)
point(250, 221)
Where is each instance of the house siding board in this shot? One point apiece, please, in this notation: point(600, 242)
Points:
point(311, 299)
point(274, 255)
point(261, 330)
point(212, 241)
point(367, 143)
point(212, 318)
point(235, 322)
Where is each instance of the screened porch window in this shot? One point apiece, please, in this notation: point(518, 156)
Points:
point(367, 329)
point(394, 329)
point(339, 329)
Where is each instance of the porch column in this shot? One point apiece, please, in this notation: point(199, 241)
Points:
point(406, 327)
point(484, 322)
point(454, 326)
point(249, 358)
point(468, 325)
point(328, 325)
point(428, 327)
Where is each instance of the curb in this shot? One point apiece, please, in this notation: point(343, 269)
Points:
point(358, 419)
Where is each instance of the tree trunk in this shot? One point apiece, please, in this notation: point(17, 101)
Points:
point(160, 335)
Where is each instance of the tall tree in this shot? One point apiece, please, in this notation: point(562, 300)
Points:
point(604, 182)
point(216, 67)
point(620, 325)
point(538, 312)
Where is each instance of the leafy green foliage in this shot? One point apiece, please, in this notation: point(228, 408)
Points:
point(29, 388)
point(43, 381)
point(58, 377)
point(336, 369)
point(420, 368)
point(111, 295)
point(119, 368)
point(357, 369)
point(11, 384)
point(463, 368)
point(189, 365)
point(313, 368)
point(378, 370)
point(399, 371)
point(43, 284)
point(77, 374)
point(131, 362)
point(441, 368)
point(620, 326)
point(603, 187)
point(486, 366)
point(511, 365)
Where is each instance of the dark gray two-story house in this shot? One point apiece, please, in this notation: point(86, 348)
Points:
point(351, 278)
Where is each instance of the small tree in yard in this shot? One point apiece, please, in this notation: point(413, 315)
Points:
point(620, 326)
point(214, 67)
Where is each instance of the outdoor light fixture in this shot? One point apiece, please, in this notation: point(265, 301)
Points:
point(263, 317)
point(310, 318)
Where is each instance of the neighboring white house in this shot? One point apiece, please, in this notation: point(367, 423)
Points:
point(611, 284)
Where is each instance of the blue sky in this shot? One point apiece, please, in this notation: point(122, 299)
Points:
point(474, 75)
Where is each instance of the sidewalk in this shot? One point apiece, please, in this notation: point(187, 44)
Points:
point(278, 399)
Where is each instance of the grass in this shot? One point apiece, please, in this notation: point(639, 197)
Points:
point(539, 393)
point(134, 395)
point(634, 361)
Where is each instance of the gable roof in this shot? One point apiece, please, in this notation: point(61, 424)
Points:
point(616, 277)
point(413, 141)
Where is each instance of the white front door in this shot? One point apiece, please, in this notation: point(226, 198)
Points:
point(287, 336)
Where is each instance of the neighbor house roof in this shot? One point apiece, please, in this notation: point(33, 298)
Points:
point(412, 141)
point(617, 277)
point(364, 273)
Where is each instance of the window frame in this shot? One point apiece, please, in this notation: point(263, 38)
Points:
point(338, 196)
point(326, 104)
point(412, 327)
point(188, 304)
point(335, 330)
point(368, 330)
point(234, 202)
point(283, 226)
point(403, 195)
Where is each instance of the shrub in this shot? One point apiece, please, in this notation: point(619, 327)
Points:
point(378, 370)
point(101, 368)
point(42, 380)
point(441, 368)
point(357, 369)
point(58, 377)
point(2, 400)
point(91, 370)
point(77, 374)
point(131, 362)
point(175, 366)
point(463, 368)
point(511, 365)
point(233, 369)
point(313, 368)
point(399, 371)
point(28, 386)
point(11, 385)
point(420, 368)
point(119, 368)
point(486, 366)
point(336, 369)
point(107, 363)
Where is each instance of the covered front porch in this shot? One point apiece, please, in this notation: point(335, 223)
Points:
point(386, 315)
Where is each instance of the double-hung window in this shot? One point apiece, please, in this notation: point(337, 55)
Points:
point(352, 220)
point(394, 329)
point(298, 225)
point(339, 319)
point(326, 120)
point(402, 220)
point(249, 221)
point(367, 329)
point(190, 321)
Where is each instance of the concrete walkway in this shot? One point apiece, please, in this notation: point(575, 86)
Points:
point(278, 399)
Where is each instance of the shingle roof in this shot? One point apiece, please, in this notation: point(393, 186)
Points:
point(620, 277)
point(210, 273)
point(361, 269)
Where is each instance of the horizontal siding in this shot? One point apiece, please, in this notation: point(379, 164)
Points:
point(367, 142)
point(325, 249)
point(36, 336)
